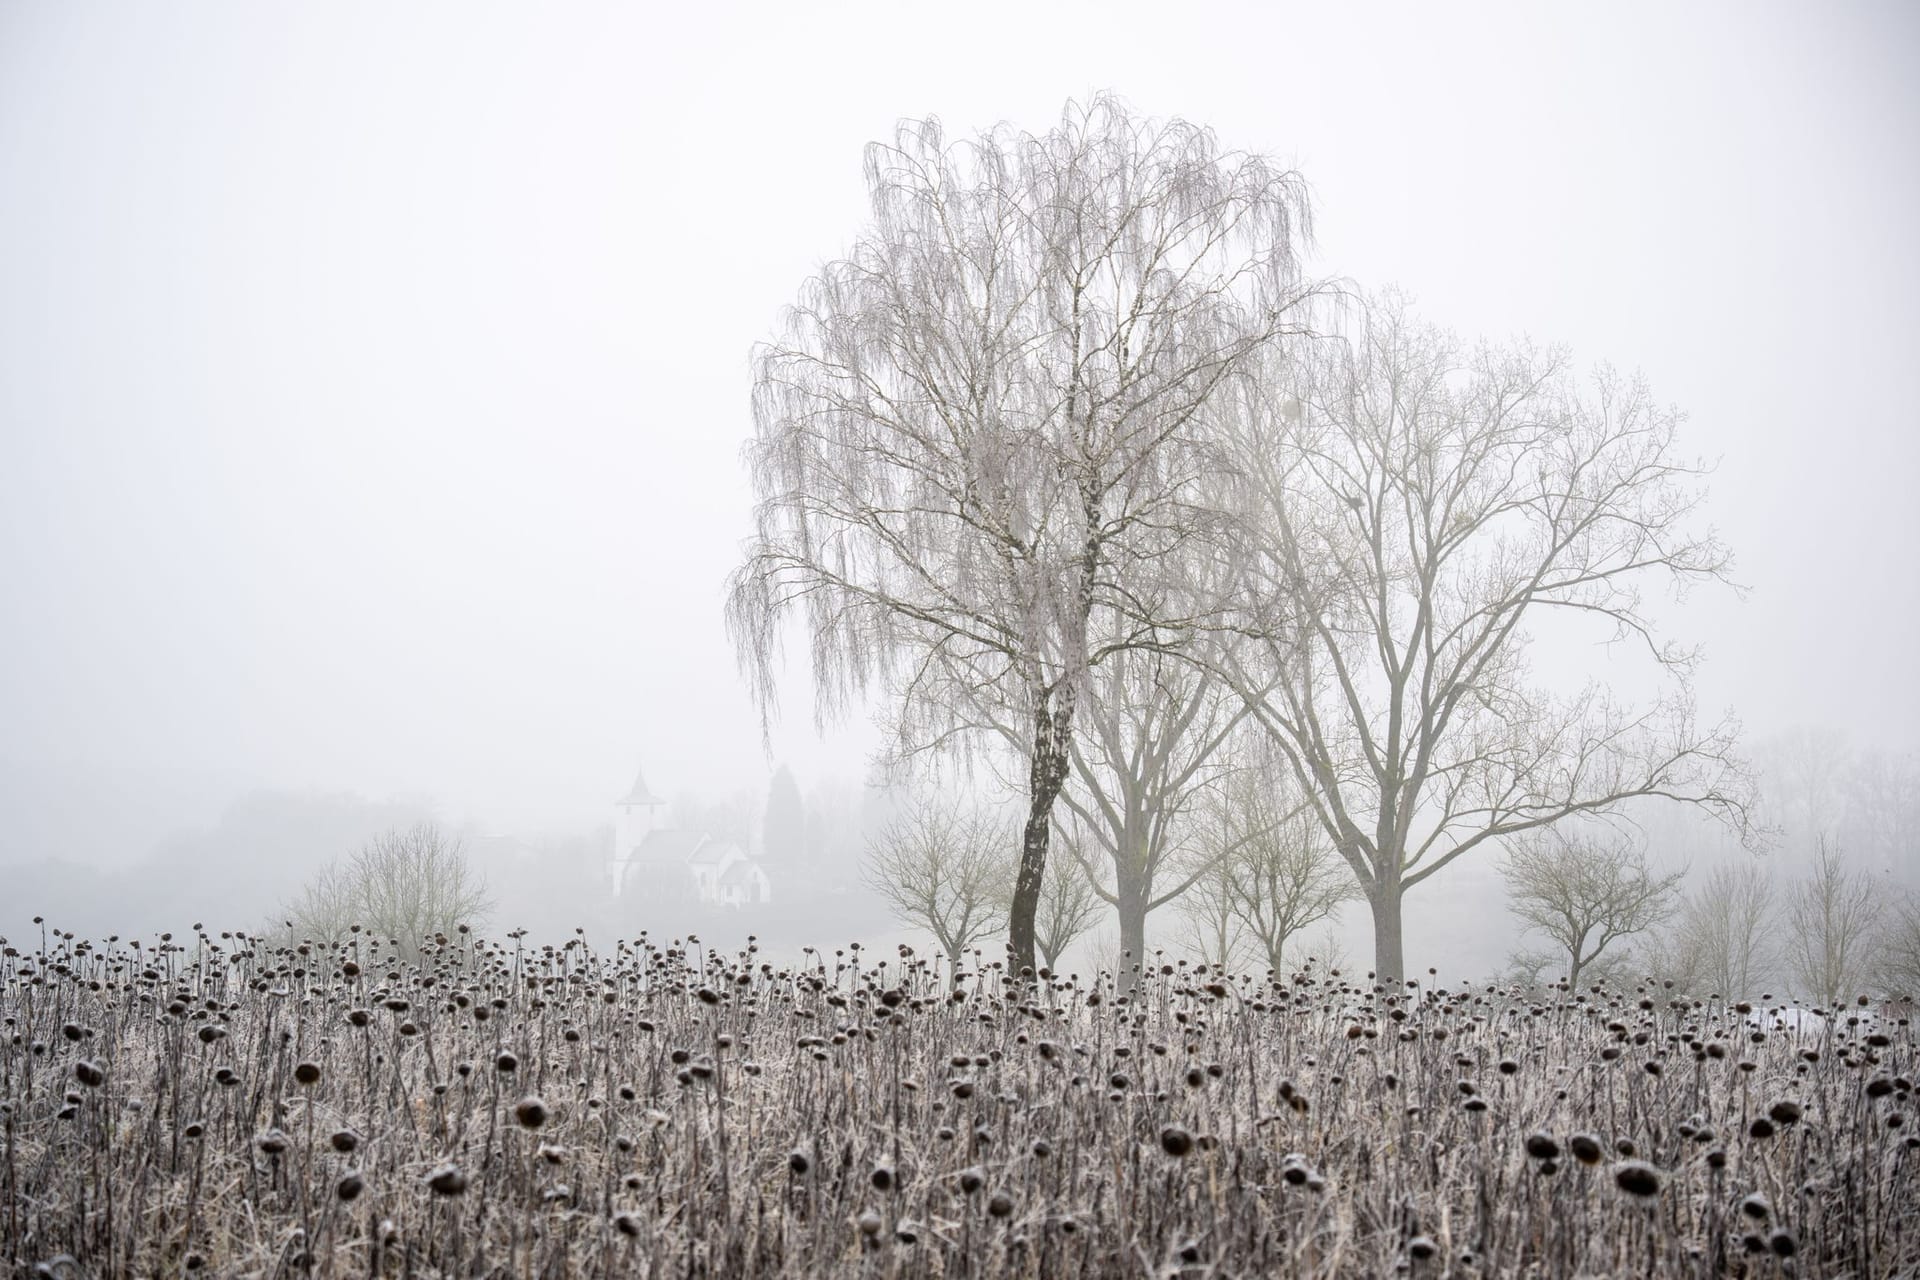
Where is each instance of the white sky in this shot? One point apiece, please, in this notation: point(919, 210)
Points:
point(373, 377)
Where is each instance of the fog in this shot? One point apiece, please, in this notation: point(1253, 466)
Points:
point(376, 379)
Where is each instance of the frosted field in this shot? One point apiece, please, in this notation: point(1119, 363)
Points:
point(214, 1105)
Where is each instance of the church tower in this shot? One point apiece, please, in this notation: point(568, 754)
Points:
point(636, 814)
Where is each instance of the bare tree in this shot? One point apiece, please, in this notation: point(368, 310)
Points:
point(326, 908)
point(1527, 968)
point(1898, 965)
point(1103, 954)
point(407, 885)
point(1724, 931)
point(1673, 956)
point(1155, 729)
point(1210, 909)
point(1833, 921)
point(1412, 507)
point(1585, 891)
point(1883, 813)
point(1282, 874)
point(943, 868)
point(974, 443)
point(1151, 739)
point(1327, 956)
point(1547, 966)
point(1803, 792)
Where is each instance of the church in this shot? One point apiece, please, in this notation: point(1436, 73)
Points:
point(649, 860)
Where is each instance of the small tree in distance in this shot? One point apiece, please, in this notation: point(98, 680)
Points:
point(783, 825)
point(1898, 967)
point(1723, 937)
point(407, 885)
point(1585, 891)
point(1832, 919)
point(944, 869)
point(1284, 876)
point(1213, 924)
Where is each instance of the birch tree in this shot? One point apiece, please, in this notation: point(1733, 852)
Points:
point(1585, 891)
point(1152, 735)
point(1412, 506)
point(1069, 906)
point(975, 438)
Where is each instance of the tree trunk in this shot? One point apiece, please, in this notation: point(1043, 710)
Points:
point(1132, 909)
point(1026, 883)
point(1046, 774)
point(1389, 966)
point(1574, 963)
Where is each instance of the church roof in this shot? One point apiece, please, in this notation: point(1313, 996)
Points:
point(639, 794)
point(669, 846)
point(714, 852)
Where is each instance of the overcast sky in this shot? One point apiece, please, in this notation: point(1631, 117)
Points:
point(373, 377)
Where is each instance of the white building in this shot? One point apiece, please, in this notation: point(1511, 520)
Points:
point(650, 860)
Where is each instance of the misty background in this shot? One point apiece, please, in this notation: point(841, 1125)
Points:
point(375, 381)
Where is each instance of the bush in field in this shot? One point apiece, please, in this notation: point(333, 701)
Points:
point(405, 885)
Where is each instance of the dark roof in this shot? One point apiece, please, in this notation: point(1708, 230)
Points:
point(638, 793)
point(739, 873)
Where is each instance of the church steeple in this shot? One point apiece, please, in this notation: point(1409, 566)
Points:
point(638, 793)
point(633, 821)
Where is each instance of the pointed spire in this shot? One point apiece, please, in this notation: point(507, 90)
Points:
point(639, 794)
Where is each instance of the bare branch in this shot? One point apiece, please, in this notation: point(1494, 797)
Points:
point(1586, 891)
point(1408, 507)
